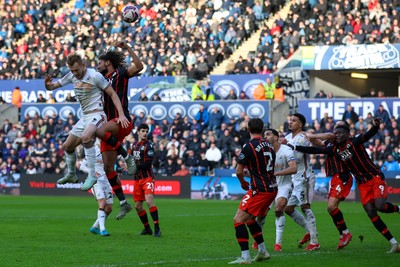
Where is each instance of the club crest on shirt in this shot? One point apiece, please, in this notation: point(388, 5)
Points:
point(345, 154)
point(136, 155)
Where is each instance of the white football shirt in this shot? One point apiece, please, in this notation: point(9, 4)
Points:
point(89, 90)
point(303, 167)
point(283, 156)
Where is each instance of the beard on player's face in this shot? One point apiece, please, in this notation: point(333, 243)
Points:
point(103, 71)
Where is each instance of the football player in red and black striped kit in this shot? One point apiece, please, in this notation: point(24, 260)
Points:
point(340, 185)
point(259, 157)
point(370, 180)
point(143, 153)
point(112, 65)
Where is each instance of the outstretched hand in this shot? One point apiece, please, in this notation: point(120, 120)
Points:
point(377, 121)
point(282, 140)
point(121, 44)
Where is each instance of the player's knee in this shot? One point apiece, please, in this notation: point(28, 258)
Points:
point(279, 213)
point(331, 208)
point(69, 149)
point(139, 206)
point(87, 142)
point(108, 168)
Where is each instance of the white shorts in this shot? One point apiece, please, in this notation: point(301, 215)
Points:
point(103, 190)
point(284, 191)
point(98, 119)
point(299, 194)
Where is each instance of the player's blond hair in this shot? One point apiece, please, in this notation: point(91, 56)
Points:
point(73, 58)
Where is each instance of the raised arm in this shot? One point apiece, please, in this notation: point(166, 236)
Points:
point(136, 65)
point(320, 138)
point(371, 132)
point(311, 149)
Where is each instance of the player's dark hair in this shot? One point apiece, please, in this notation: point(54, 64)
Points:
point(301, 118)
point(143, 126)
point(273, 131)
point(116, 57)
point(343, 125)
point(256, 126)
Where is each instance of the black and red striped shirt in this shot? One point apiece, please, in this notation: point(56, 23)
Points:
point(259, 157)
point(333, 166)
point(353, 155)
point(119, 80)
point(143, 153)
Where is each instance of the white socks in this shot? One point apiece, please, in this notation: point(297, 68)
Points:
point(311, 225)
point(246, 254)
point(90, 154)
point(71, 162)
point(299, 219)
point(280, 226)
point(101, 218)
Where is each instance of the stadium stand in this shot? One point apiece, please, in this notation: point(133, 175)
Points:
point(34, 40)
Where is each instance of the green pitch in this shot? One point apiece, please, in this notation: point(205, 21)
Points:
point(53, 231)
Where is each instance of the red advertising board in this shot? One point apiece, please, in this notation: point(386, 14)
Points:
point(165, 186)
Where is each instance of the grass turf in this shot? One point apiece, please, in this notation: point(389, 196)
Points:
point(53, 231)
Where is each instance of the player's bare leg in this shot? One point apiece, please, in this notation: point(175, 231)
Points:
point(338, 220)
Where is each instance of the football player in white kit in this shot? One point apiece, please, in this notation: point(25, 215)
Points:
point(303, 184)
point(102, 191)
point(88, 86)
point(285, 166)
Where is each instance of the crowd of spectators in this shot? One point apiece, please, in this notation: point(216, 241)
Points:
point(184, 146)
point(171, 37)
point(178, 37)
point(321, 22)
point(184, 37)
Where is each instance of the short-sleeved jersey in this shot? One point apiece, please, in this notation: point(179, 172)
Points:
point(353, 155)
point(304, 169)
point(119, 81)
point(89, 90)
point(259, 157)
point(283, 156)
point(143, 153)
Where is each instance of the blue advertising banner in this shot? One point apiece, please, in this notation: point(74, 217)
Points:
point(159, 110)
point(169, 88)
point(216, 187)
point(363, 56)
point(315, 108)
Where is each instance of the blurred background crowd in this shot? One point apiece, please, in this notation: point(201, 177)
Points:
point(182, 38)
